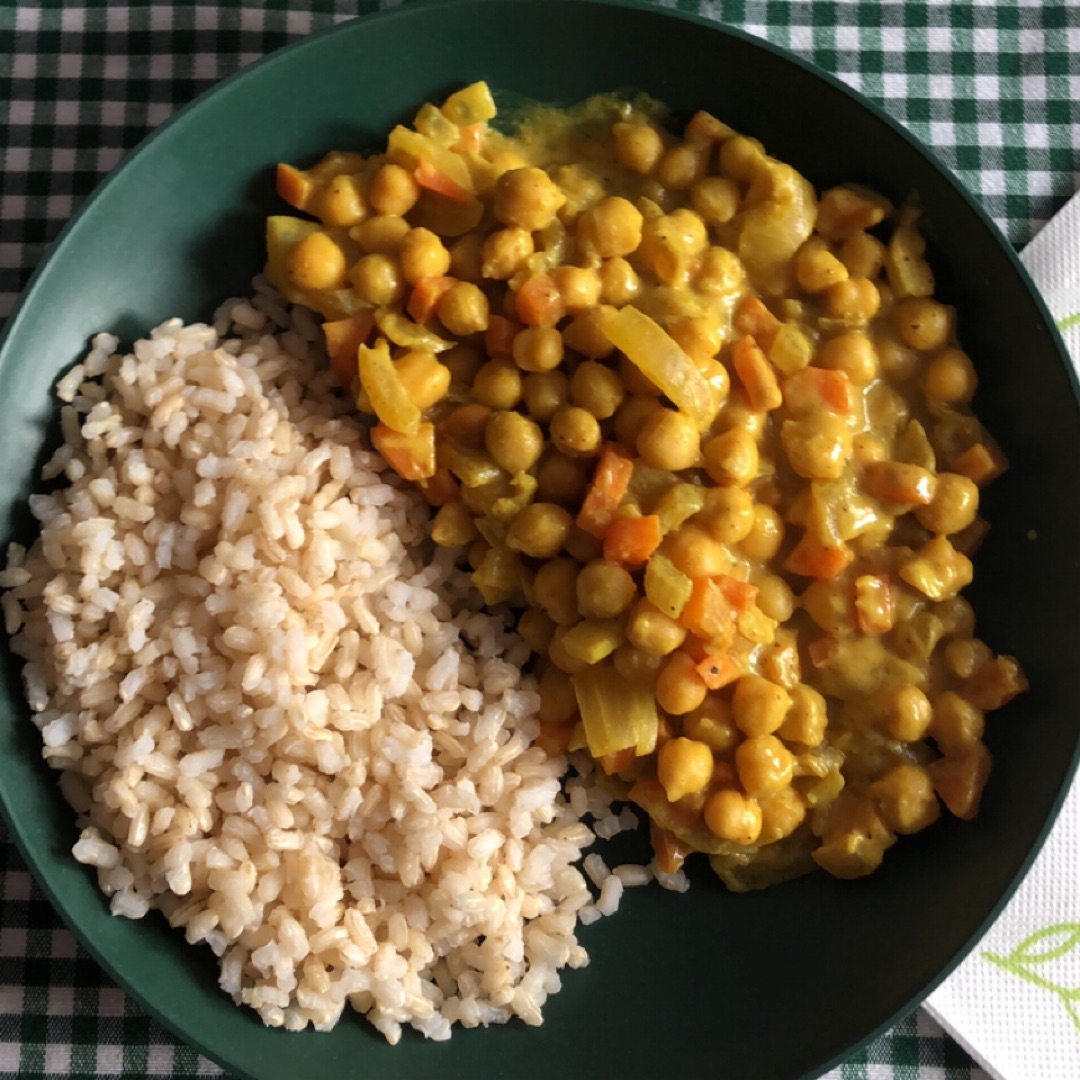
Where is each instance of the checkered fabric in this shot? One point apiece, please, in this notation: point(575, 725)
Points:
point(992, 85)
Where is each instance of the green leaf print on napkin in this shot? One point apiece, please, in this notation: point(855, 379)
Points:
point(1043, 947)
point(1068, 321)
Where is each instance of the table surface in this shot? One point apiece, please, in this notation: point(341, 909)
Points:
point(992, 85)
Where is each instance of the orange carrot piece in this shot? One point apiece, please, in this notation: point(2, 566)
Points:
point(695, 648)
point(631, 541)
point(343, 338)
point(811, 558)
point(719, 669)
point(875, 611)
point(756, 374)
point(432, 178)
point(442, 488)
point(554, 738)
point(615, 763)
point(981, 463)
point(471, 138)
point(606, 491)
point(425, 295)
point(411, 456)
point(499, 337)
point(539, 302)
point(708, 613)
point(752, 317)
point(739, 594)
point(294, 186)
point(899, 483)
point(669, 850)
point(815, 388)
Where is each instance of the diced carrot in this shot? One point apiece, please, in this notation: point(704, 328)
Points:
point(554, 738)
point(606, 491)
point(708, 613)
point(815, 388)
point(821, 650)
point(343, 338)
point(899, 483)
point(410, 456)
point(811, 558)
point(752, 317)
point(471, 138)
point(430, 176)
point(499, 337)
point(442, 488)
point(719, 669)
point(695, 648)
point(425, 295)
point(294, 186)
point(615, 763)
point(539, 302)
point(739, 594)
point(874, 608)
point(757, 375)
point(631, 541)
point(981, 463)
point(669, 850)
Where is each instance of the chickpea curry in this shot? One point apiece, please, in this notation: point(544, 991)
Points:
point(707, 430)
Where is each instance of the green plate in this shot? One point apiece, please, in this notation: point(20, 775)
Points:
point(766, 986)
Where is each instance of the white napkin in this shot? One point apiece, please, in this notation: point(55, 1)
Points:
point(1014, 1003)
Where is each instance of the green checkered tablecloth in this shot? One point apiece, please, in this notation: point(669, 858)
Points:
point(992, 85)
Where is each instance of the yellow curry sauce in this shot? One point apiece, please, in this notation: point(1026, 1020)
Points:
point(708, 431)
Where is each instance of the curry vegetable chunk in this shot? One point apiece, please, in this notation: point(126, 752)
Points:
point(707, 430)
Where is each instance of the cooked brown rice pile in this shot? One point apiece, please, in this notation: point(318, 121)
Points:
point(279, 714)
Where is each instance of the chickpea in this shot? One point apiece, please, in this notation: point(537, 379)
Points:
point(720, 273)
point(830, 606)
point(393, 190)
point(637, 146)
point(630, 417)
point(422, 255)
point(575, 432)
point(560, 657)
point(558, 703)
point(316, 263)
point(852, 353)
point(682, 166)
point(923, 323)
point(712, 723)
point(528, 198)
point(908, 714)
point(535, 628)
point(695, 552)
point(818, 446)
point(380, 235)
point(604, 590)
point(680, 688)
point(653, 631)
point(637, 666)
point(596, 388)
point(867, 448)
point(765, 537)
point(763, 764)
point(950, 377)
point(538, 348)
point(454, 526)
point(956, 723)
point(619, 283)
point(611, 228)
point(555, 590)
point(636, 381)
point(716, 199)
point(699, 336)
point(467, 257)
point(957, 617)
point(463, 309)
point(583, 546)
point(728, 514)
point(863, 255)
point(377, 280)
point(775, 598)
point(513, 441)
point(669, 245)
point(741, 157)
point(585, 334)
point(886, 408)
point(855, 300)
point(578, 285)
point(545, 392)
point(965, 656)
point(669, 440)
point(463, 362)
point(539, 529)
point(817, 268)
point(505, 252)
point(683, 766)
point(731, 457)
point(954, 507)
point(498, 384)
point(782, 813)
point(895, 358)
point(341, 204)
point(905, 799)
point(733, 816)
point(561, 479)
point(426, 381)
point(806, 719)
point(759, 706)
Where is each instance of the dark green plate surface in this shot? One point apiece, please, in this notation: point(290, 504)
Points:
point(769, 986)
